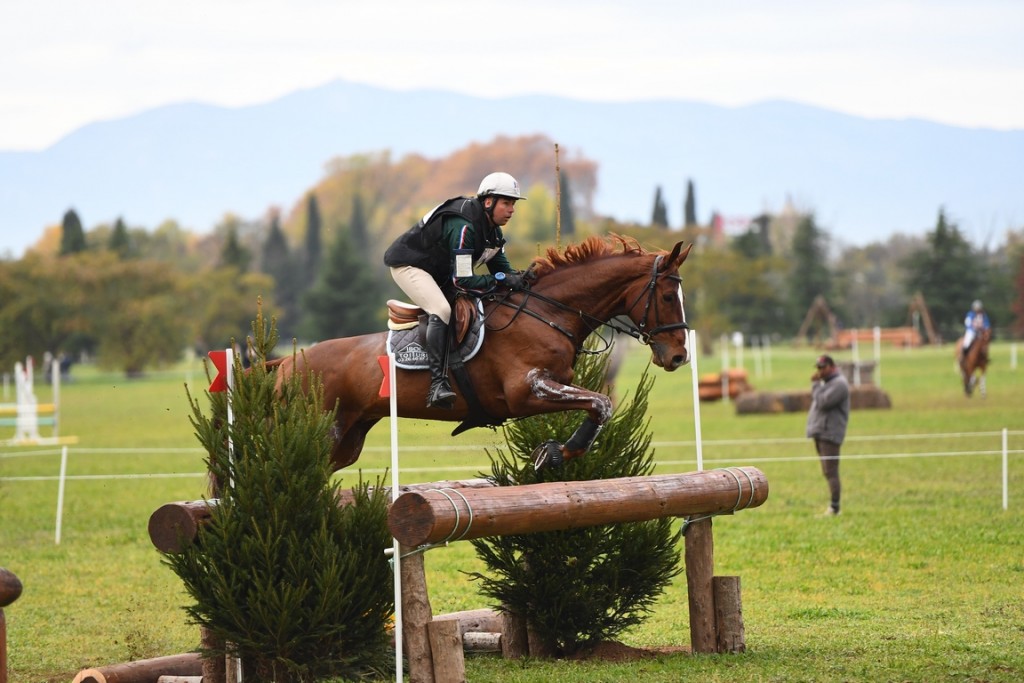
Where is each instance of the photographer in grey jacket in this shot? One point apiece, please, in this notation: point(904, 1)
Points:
point(827, 420)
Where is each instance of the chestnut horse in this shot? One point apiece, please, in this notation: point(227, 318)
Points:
point(525, 366)
point(974, 363)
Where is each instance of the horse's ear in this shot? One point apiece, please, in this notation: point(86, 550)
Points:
point(678, 255)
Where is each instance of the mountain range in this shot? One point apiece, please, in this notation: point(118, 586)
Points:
point(864, 179)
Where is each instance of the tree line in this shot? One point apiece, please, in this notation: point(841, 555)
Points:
point(133, 298)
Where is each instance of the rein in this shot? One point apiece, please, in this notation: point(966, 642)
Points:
point(593, 322)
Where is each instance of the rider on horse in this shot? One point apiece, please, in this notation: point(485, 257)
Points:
point(976, 321)
point(437, 257)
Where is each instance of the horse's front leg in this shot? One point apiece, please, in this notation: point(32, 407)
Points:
point(556, 396)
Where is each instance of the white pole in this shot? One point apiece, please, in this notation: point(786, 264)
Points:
point(60, 492)
point(878, 355)
point(55, 381)
point(692, 343)
point(755, 350)
point(229, 362)
point(856, 358)
point(1006, 471)
point(396, 554)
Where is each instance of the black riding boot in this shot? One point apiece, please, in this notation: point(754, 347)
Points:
point(440, 394)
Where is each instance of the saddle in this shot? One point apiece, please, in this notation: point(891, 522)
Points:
point(405, 316)
point(405, 338)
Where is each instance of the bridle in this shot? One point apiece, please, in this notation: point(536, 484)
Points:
point(638, 332)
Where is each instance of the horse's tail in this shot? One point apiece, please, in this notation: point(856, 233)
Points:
point(273, 363)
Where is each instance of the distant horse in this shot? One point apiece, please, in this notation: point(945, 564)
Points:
point(975, 362)
point(532, 338)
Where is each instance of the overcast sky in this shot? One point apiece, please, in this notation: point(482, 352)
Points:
point(66, 63)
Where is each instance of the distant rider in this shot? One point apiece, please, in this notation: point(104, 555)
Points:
point(437, 257)
point(976, 321)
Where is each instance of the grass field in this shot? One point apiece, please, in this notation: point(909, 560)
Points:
point(920, 578)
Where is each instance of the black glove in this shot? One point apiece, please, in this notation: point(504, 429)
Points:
point(513, 281)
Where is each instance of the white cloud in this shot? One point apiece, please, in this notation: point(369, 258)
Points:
point(65, 63)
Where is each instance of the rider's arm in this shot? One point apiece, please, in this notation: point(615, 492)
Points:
point(461, 237)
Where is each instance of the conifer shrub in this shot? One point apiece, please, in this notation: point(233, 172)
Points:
point(580, 587)
point(293, 584)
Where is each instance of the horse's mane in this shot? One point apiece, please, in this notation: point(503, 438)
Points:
point(592, 248)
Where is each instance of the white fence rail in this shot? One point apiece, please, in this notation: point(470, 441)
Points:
point(999, 440)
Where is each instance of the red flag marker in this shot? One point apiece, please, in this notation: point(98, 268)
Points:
point(220, 362)
point(385, 386)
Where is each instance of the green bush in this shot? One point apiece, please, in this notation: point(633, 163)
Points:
point(580, 587)
point(295, 586)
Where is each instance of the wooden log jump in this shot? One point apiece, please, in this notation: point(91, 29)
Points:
point(437, 515)
point(174, 526)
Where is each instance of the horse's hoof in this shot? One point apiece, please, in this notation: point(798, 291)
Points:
point(548, 454)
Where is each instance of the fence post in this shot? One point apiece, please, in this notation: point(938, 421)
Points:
point(10, 589)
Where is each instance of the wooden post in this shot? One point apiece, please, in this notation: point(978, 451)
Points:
point(729, 614)
point(416, 615)
point(514, 637)
point(10, 590)
point(446, 651)
point(214, 669)
point(700, 569)
point(425, 517)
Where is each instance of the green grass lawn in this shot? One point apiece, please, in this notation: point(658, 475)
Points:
point(920, 578)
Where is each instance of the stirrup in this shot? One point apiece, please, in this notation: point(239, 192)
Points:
point(440, 395)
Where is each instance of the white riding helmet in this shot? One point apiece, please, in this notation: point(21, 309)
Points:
point(501, 185)
point(976, 306)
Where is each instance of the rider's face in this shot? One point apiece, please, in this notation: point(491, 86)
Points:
point(503, 209)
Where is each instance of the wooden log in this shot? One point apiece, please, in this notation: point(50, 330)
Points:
point(729, 614)
point(416, 614)
point(10, 587)
point(480, 641)
point(144, 670)
point(425, 517)
point(700, 566)
point(474, 620)
point(446, 651)
point(174, 526)
point(515, 642)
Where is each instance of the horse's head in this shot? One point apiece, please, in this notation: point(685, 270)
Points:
point(655, 305)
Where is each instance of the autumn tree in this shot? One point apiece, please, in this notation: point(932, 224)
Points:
point(218, 303)
point(39, 307)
